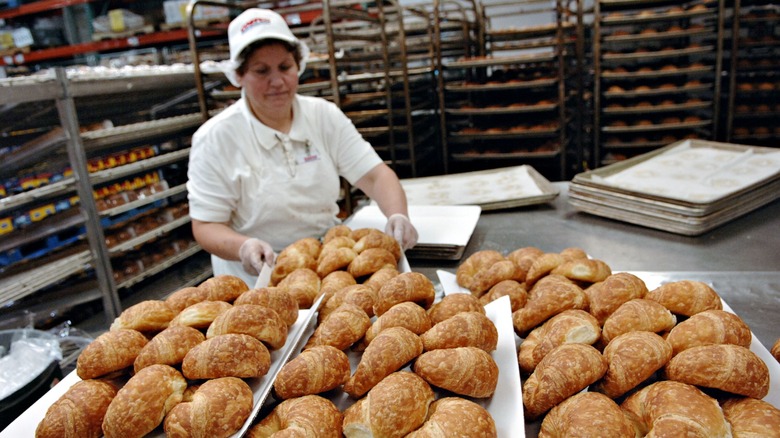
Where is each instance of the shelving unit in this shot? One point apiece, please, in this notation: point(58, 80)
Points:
point(119, 198)
point(657, 74)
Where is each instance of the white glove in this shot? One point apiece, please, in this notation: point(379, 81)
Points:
point(399, 226)
point(253, 253)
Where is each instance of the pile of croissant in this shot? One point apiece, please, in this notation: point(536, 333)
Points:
point(601, 355)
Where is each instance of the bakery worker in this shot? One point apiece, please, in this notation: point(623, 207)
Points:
point(265, 171)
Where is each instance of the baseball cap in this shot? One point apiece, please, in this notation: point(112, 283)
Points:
point(256, 24)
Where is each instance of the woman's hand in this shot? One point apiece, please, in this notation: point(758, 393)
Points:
point(400, 227)
point(253, 253)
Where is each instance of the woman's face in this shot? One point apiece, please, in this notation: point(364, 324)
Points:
point(270, 80)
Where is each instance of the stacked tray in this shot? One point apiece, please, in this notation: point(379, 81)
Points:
point(688, 187)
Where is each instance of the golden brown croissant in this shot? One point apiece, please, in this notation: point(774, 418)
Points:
point(455, 416)
point(632, 357)
point(549, 297)
point(168, 347)
point(776, 349)
point(79, 412)
point(380, 277)
point(142, 403)
point(335, 259)
point(525, 354)
point(387, 353)
point(574, 252)
point(565, 371)
point(465, 329)
point(342, 328)
point(583, 269)
point(407, 314)
point(275, 298)
point(394, 407)
point(224, 287)
point(200, 315)
point(262, 323)
point(112, 351)
point(668, 408)
point(371, 260)
point(710, 327)
point(524, 257)
point(308, 246)
point(584, 415)
point(231, 355)
point(518, 296)
point(750, 417)
point(569, 326)
point(218, 409)
point(453, 304)
point(335, 231)
point(468, 371)
point(542, 266)
point(313, 371)
point(146, 316)
point(302, 284)
point(283, 266)
point(357, 294)
point(480, 260)
point(728, 367)
point(306, 416)
point(605, 297)
point(686, 297)
point(185, 297)
point(333, 244)
point(360, 233)
point(638, 315)
point(379, 240)
point(407, 286)
point(334, 282)
point(497, 272)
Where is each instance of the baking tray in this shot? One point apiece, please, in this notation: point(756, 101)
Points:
point(631, 19)
point(502, 110)
point(658, 73)
point(501, 60)
point(658, 91)
point(659, 35)
point(657, 108)
point(658, 53)
point(509, 85)
point(506, 134)
point(655, 127)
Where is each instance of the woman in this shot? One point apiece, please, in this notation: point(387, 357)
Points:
point(265, 172)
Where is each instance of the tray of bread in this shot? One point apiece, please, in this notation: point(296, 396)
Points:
point(500, 85)
point(489, 60)
point(659, 71)
point(650, 33)
point(648, 107)
point(669, 51)
point(513, 108)
point(644, 15)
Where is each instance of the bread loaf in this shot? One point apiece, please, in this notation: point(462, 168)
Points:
point(303, 285)
point(112, 351)
point(668, 408)
point(147, 316)
point(638, 314)
point(307, 416)
point(728, 367)
point(607, 296)
point(168, 347)
point(452, 304)
point(394, 407)
point(551, 296)
point(262, 323)
point(750, 417)
point(455, 416)
point(143, 402)
point(185, 297)
point(387, 353)
point(79, 412)
point(686, 297)
point(565, 371)
point(569, 326)
point(370, 261)
point(465, 329)
point(468, 371)
point(710, 327)
point(407, 314)
point(200, 315)
point(407, 286)
point(224, 287)
point(313, 371)
point(230, 355)
point(632, 358)
point(342, 328)
point(273, 297)
point(518, 296)
point(218, 409)
point(587, 414)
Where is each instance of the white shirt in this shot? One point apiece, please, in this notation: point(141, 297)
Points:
point(276, 187)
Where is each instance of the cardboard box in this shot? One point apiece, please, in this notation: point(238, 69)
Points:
point(176, 10)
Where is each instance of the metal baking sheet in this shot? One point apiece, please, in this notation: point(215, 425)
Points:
point(655, 127)
point(504, 134)
point(509, 85)
point(501, 60)
point(658, 53)
point(657, 108)
point(658, 91)
point(656, 73)
point(659, 35)
point(511, 109)
point(636, 18)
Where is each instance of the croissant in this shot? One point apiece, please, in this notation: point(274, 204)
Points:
point(168, 347)
point(465, 329)
point(710, 327)
point(334, 260)
point(524, 257)
point(525, 354)
point(776, 349)
point(360, 233)
point(574, 252)
point(112, 351)
point(379, 240)
point(407, 314)
point(565, 371)
point(468, 371)
point(306, 416)
point(728, 367)
point(638, 314)
point(357, 294)
point(231, 355)
point(455, 416)
point(750, 417)
point(79, 412)
point(492, 275)
point(386, 354)
point(380, 277)
point(668, 408)
point(407, 286)
point(371, 260)
point(632, 357)
point(303, 285)
point(185, 297)
point(335, 231)
point(334, 282)
point(262, 323)
point(224, 287)
point(686, 297)
point(605, 297)
point(569, 326)
point(397, 405)
point(583, 269)
point(542, 266)
point(313, 371)
point(342, 328)
point(518, 296)
point(586, 414)
point(200, 315)
point(480, 260)
point(218, 409)
point(142, 403)
point(552, 295)
point(272, 297)
point(146, 316)
point(308, 246)
point(453, 304)
point(284, 265)
point(333, 244)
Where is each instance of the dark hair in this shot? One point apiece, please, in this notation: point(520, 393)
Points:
point(295, 49)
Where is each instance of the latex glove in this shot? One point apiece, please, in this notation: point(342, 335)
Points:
point(399, 226)
point(253, 253)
